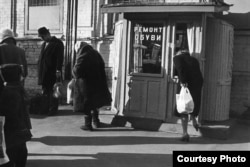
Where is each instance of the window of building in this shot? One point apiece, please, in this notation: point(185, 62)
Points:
point(46, 13)
point(85, 13)
point(146, 50)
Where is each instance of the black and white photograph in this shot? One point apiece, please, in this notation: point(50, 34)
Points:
point(124, 83)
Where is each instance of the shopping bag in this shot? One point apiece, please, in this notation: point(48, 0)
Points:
point(184, 101)
point(3, 156)
point(70, 91)
point(57, 90)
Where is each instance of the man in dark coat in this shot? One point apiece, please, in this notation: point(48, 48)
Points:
point(91, 90)
point(190, 76)
point(10, 53)
point(50, 66)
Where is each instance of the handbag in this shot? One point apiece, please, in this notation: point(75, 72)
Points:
point(39, 104)
point(184, 101)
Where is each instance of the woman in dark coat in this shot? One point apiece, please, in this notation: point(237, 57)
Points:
point(190, 76)
point(13, 106)
point(91, 90)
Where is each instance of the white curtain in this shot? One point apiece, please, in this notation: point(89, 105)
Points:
point(194, 35)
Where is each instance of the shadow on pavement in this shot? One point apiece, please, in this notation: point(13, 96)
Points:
point(65, 113)
point(134, 140)
point(100, 160)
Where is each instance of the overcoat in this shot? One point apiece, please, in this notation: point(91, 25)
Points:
point(13, 106)
point(11, 54)
point(188, 71)
point(50, 60)
point(91, 89)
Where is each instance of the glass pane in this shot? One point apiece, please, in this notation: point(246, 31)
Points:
point(40, 16)
point(146, 56)
point(181, 36)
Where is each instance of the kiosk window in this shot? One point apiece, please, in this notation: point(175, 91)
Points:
point(146, 52)
point(181, 37)
point(181, 41)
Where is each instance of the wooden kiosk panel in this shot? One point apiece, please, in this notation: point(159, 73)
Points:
point(137, 97)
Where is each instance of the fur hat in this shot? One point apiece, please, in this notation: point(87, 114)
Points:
point(6, 33)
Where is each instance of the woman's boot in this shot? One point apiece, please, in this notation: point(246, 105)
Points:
point(87, 123)
point(95, 117)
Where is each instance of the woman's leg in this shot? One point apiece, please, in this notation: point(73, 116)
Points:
point(195, 122)
point(184, 123)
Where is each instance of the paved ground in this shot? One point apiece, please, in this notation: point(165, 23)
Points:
point(58, 141)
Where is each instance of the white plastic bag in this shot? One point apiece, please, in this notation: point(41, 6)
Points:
point(70, 91)
point(184, 101)
point(3, 156)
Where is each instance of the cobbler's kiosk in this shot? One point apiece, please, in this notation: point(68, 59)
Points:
point(146, 39)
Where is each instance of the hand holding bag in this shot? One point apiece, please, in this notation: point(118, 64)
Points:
point(184, 101)
point(57, 89)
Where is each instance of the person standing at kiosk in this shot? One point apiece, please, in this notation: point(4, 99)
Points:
point(190, 76)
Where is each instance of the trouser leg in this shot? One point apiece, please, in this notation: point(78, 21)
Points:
point(87, 116)
point(95, 116)
point(53, 102)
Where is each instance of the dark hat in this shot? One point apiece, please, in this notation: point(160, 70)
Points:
point(43, 31)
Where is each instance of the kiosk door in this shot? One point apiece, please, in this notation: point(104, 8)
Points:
point(116, 78)
point(146, 79)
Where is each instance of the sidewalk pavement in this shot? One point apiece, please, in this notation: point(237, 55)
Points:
point(59, 141)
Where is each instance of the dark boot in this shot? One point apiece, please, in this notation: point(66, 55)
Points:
point(96, 120)
point(87, 123)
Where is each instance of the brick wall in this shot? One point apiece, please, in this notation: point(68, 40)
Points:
point(92, 27)
point(32, 50)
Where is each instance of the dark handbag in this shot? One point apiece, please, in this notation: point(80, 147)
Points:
point(39, 104)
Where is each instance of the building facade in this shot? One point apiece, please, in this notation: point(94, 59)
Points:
point(59, 16)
